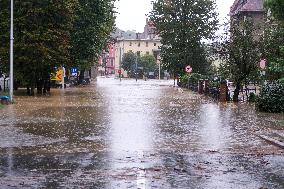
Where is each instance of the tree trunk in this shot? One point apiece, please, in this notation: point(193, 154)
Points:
point(32, 90)
point(28, 91)
point(4, 84)
point(237, 92)
point(81, 76)
point(39, 86)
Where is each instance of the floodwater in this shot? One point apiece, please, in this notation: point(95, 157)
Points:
point(147, 134)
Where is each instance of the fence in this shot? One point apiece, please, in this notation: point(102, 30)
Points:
point(221, 91)
point(4, 84)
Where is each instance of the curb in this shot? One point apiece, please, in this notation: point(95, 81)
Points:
point(272, 140)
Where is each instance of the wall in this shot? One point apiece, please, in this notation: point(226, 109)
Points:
point(133, 45)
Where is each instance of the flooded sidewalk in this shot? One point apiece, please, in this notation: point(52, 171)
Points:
point(144, 134)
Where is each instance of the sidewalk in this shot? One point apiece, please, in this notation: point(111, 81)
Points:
point(275, 137)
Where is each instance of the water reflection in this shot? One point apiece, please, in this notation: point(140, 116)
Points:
point(135, 135)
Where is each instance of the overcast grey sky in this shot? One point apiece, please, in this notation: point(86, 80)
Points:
point(132, 13)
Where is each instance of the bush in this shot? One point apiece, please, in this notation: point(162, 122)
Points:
point(271, 98)
point(252, 97)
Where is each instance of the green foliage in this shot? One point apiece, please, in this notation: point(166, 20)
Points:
point(148, 62)
point(276, 7)
point(184, 79)
point(182, 25)
point(274, 50)
point(191, 79)
point(51, 33)
point(271, 98)
point(93, 24)
point(129, 61)
point(252, 97)
point(240, 51)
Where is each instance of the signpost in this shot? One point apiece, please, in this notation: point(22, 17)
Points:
point(12, 51)
point(262, 65)
point(74, 72)
point(188, 69)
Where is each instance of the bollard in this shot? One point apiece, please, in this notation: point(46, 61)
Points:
point(223, 92)
point(200, 86)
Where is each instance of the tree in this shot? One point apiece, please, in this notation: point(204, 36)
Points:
point(128, 63)
point(241, 52)
point(42, 38)
point(274, 39)
point(4, 38)
point(182, 25)
point(276, 7)
point(92, 27)
point(148, 62)
point(49, 34)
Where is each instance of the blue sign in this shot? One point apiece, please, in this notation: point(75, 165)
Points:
point(74, 71)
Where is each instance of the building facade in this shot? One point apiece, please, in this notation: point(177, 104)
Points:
point(107, 61)
point(242, 9)
point(138, 46)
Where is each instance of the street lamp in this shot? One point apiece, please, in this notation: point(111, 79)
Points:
point(11, 51)
point(136, 67)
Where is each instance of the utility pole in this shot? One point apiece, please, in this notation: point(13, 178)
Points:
point(12, 52)
point(120, 60)
point(63, 75)
point(159, 70)
point(136, 68)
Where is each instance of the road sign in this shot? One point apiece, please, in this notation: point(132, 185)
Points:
point(188, 69)
point(59, 75)
point(119, 71)
point(74, 71)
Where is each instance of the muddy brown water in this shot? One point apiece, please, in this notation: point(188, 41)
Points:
point(125, 134)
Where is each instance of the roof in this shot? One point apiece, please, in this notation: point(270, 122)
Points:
point(247, 6)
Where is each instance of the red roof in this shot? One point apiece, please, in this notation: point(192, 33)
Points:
point(247, 6)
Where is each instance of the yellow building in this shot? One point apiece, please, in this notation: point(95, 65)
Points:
point(138, 46)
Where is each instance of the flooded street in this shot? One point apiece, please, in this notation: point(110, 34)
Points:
point(143, 135)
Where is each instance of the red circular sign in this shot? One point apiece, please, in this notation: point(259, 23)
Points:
point(188, 69)
point(119, 71)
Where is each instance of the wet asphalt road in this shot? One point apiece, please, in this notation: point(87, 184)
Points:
point(136, 135)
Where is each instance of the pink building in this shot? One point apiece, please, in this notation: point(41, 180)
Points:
point(107, 61)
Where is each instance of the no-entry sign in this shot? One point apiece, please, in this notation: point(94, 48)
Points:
point(188, 69)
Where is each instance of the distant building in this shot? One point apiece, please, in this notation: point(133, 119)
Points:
point(243, 9)
point(252, 8)
point(137, 46)
point(150, 30)
point(107, 61)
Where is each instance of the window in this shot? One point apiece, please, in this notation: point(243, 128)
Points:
point(155, 44)
point(147, 53)
point(138, 53)
point(147, 44)
point(139, 44)
point(130, 44)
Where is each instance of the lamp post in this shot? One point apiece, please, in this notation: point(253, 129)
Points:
point(159, 62)
point(136, 68)
point(11, 52)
